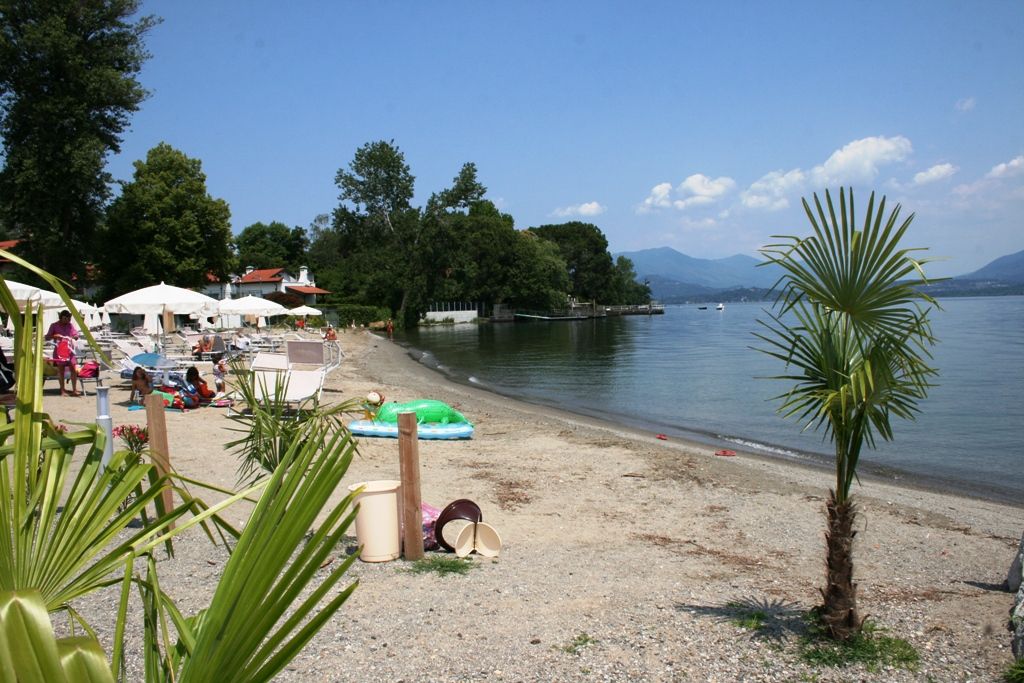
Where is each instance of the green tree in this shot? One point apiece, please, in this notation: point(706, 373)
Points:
point(165, 226)
point(584, 249)
point(624, 286)
point(67, 89)
point(379, 185)
point(489, 261)
point(540, 278)
point(272, 246)
point(851, 325)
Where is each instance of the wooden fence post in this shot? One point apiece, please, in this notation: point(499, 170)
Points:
point(409, 461)
point(160, 452)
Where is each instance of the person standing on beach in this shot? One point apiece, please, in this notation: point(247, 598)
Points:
point(390, 327)
point(64, 333)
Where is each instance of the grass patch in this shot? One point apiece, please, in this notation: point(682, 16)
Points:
point(753, 620)
point(870, 647)
point(1015, 674)
point(441, 565)
point(577, 644)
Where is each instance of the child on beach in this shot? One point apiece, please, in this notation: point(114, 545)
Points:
point(220, 371)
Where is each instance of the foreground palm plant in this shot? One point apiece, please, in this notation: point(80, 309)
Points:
point(270, 426)
point(64, 533)
point(851, 324)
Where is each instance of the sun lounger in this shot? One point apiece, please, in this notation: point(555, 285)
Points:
point(265, 360)
point(129, 347)
point(303, 386)
point(305, 353)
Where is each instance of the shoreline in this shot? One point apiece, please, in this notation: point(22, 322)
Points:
point(871, 472)
point(623, 557)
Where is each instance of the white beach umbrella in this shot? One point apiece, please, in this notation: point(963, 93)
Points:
point(303, 311)
point(160, 299)
point(40, 297)
point(151, 322)
point(251, 305)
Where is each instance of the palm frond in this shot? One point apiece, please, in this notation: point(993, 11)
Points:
point(851, 325)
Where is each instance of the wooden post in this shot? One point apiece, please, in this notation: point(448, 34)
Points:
point(160, 452)
point(412, 513)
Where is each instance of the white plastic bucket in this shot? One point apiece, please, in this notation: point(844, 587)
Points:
point(377, 520)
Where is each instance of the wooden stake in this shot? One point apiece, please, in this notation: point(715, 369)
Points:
point(160, 452)
point(409, 461)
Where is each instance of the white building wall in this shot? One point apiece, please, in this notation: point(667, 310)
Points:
point(457, 316)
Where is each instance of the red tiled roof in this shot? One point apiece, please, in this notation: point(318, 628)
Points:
point(8, 245)
point(263, 275)
point(302, 289)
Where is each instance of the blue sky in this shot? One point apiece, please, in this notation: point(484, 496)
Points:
point(692, 125)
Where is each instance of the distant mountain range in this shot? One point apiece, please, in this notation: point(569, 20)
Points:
point(675, 277)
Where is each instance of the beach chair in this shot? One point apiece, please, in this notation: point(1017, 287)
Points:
point(302, 387)
point(305, 354)
point(129, 347)
point(265, 360)
point(219, 350)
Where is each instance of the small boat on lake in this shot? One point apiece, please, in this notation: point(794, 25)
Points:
point(702, 308)
point(720, 307)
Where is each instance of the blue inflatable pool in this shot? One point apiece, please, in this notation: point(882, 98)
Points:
point(426, 430)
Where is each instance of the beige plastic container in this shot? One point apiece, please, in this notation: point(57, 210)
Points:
point(377, 520)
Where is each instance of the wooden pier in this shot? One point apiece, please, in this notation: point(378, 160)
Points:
point(590, 311)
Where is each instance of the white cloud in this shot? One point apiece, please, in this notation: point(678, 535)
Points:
point(657, 199)
point(860, 160)
point(937, 172)
point(1008, 169)
point(770, 191)
point(697, 190)
point(585, 209)
point(966, 104)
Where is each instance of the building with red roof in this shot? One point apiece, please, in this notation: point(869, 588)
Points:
point(263, 281)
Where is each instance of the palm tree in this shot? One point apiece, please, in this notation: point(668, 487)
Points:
point(65, 534)
point(851, 325)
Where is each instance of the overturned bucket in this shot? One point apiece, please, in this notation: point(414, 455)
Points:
point(377, 520)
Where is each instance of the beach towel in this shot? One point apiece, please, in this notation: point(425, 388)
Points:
point(64, 352)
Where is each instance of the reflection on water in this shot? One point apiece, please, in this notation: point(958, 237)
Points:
point(693, 372)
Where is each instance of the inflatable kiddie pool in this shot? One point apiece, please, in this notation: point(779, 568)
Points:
point(424, 430)
point(435, 420)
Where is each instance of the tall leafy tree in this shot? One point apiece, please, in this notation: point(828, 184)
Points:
point(851, 325)
point(272, 245)
point(489, 261)
point(376, 216)
point(165, 226)
point(625, 289)
point(584, 249)
point(68, 85)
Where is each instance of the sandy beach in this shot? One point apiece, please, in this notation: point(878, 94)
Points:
point(624, 557)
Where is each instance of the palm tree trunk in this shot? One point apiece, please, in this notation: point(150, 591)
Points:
point(839, 613)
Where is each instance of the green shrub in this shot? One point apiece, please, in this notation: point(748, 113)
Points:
point(362, 315)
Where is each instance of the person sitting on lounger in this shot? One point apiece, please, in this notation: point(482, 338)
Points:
point(330, 334)
point(204, 345)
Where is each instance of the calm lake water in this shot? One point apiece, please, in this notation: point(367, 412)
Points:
point(692, 373)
